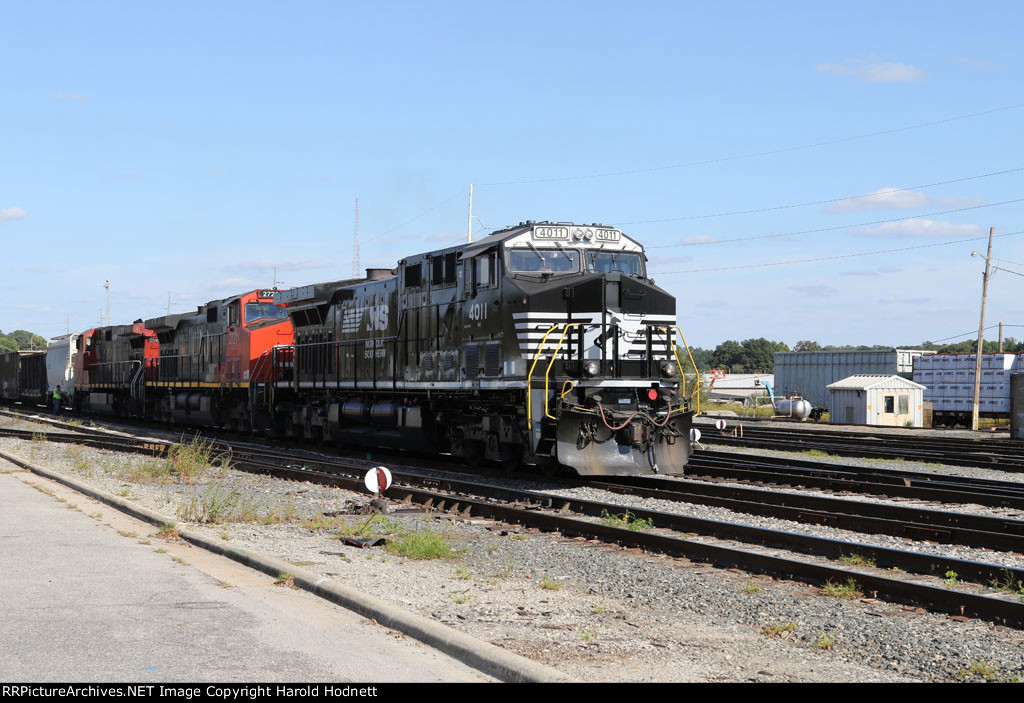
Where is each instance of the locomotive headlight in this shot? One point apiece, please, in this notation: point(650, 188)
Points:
point(669, 369)
point(591, 368)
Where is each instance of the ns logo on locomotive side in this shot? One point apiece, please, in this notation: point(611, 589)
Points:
point(543, 344)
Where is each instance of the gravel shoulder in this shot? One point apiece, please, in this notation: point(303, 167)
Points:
point(596, 612)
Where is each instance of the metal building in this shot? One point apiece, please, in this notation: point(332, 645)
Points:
point(807, 374)
point(876, 399)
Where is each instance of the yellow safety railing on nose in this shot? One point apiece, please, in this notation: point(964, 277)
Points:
point(682, 376)
point(547, 373)
point(529, 378)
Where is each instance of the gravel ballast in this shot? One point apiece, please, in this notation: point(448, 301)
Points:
point(596, 612)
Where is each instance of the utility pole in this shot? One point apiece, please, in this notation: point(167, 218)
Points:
point(168, 302)
point(981, 328)
point(469, 223)
point(106, 285)
point(355, 246)
point(1000, 337)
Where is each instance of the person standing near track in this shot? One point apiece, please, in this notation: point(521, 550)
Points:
point(57, 398)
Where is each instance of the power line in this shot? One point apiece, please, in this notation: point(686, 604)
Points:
point(755, 154)
point(837, 227)
point(819, 202)
point(830, 258)
point(967, 334)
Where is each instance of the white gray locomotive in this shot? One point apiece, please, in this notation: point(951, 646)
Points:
point(543, 344)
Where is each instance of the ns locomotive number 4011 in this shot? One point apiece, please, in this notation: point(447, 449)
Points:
point(543, 344)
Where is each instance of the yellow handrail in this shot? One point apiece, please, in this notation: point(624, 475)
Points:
point(547, 373)
point(529, 378)
point(682, 376)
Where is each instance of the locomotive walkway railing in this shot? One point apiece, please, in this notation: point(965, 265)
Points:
point(675, 350)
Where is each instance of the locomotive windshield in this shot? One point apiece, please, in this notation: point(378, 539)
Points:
point(264, 312)
point(543, 260)
point(615, 262)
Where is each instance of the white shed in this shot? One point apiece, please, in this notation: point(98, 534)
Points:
point(876, 399)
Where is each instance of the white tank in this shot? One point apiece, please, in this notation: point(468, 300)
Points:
point(793, 407)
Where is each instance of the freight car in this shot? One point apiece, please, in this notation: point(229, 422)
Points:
point(545, 344)
point(23, 377)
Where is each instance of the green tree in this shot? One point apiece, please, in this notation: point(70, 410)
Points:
point(807, 345)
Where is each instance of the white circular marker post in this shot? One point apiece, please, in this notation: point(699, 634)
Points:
point(694, 435)
point(720, 424)
point(378, 479)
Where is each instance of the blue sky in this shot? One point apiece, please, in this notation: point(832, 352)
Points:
point(190, 148)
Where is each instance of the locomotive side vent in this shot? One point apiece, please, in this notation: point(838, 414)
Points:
point(427, 361)
point(449, 362)
point(472, 360)
point(492, 359)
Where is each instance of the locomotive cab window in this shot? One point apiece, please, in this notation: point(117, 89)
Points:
point(484, 270)
point(615, 262)
point(543, 260)
point(234, 313)
point(443, 270)
point(264, 312)
point(413, 277)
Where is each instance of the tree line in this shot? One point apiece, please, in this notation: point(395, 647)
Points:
point(20, 339)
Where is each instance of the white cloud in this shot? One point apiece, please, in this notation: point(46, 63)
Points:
point(917, 227)
point(953, 202)
point(980, 65)
point(12, 213)
point(874, 70)
point(700, 239)
point(882, 199)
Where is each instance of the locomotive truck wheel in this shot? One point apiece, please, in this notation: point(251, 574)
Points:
point(473, 453)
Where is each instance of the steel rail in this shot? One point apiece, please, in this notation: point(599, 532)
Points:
point(547, 512)
point(843, 478)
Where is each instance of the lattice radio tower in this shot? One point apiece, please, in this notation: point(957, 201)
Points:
point(355, 245)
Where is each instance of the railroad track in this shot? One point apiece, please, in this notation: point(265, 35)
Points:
point(941, 488)
point(721, 543)
point(1001, 454)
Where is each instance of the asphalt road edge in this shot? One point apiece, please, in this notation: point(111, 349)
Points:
point(483, 656)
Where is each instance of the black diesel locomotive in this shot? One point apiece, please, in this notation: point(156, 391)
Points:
point(544, 344)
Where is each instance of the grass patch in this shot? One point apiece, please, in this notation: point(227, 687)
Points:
point(462, 574)
point(847, 591)
point(459, 598)
point(160, 550)
point(981, 668)
point(168, 532)
point(856, 559)
point(824, 642)
point(751, 587)
point(549, 584)
point(190, 460)
point(285, 580)
point(817, 453)
point(127, 533)
point(626, 520)
point(587, 635)
point(951, 580)
point(778, 628)
point(218, 505)
point(179, 560)
point(1008, 584)
point(421, 544)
